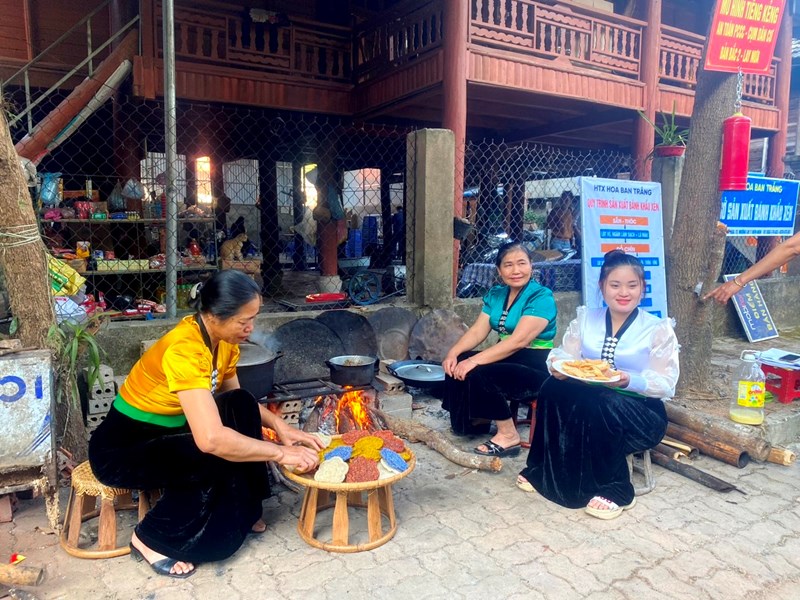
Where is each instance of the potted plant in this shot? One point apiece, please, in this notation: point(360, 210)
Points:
point(671, 137)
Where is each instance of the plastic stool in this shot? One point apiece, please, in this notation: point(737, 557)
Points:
point(82, 506)
point(783, 383)
point(530, 419)
point(640, 463)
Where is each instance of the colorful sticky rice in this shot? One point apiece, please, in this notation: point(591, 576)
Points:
point(351, 437)
point(361, 470)
point(342, 452)
point(393, 460)
point(333, 470)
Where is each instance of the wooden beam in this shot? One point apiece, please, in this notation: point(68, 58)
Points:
point(587, 121)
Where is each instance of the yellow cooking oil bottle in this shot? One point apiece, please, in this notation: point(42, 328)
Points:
point(747, 405)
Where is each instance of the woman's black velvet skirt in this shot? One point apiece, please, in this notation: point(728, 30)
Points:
point(485, 393)
point(582, 436)
point(208, 504)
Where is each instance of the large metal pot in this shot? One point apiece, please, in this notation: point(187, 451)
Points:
point(256, 369)
point(352, 369)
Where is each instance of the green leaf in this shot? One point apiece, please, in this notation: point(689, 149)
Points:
point(14, 326)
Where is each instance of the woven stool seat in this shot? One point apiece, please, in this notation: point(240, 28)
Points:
point(82, 506)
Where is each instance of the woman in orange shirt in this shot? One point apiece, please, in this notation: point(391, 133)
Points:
point(180, 423)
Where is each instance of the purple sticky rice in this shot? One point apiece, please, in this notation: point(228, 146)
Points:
point(394, 460)
point(343, 452)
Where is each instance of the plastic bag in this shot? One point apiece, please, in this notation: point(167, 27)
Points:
point(49, 192)
point(116, 202)
point(67, 310)
point(64, 280)
point(133, 189)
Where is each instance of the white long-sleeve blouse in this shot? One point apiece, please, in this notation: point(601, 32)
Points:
point(647, 351)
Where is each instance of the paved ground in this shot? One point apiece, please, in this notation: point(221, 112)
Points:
point(466, 534)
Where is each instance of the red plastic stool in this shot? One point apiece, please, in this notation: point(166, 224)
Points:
point(783, 383)
point(530, 419)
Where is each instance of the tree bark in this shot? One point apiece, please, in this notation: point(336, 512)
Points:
point(27, 280)
point(693, 240)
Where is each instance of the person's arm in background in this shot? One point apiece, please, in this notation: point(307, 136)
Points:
point(777, 257)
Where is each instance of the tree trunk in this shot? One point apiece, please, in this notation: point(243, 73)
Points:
point(23, 259)
point(693, 237)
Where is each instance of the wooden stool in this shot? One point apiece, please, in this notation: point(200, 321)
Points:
point(341, 497)
point(640, 463)
point(530, 419)
point(82, 506)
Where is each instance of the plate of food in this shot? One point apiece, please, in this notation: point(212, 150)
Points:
point(586, 369)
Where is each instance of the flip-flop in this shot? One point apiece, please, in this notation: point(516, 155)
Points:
point(498, 450)
point(163, 566)
point(524, 484)
point(612, 512)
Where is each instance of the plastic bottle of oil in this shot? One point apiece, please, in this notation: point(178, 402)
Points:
point(747, 405)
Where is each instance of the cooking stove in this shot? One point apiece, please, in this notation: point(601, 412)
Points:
point(303, 389)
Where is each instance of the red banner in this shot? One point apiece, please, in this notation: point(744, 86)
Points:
point(743, 35)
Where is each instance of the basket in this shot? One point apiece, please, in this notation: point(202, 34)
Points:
point(461, 228)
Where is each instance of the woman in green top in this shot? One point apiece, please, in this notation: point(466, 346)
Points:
point(478, 385)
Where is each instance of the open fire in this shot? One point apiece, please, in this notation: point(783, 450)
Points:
point(339, 413)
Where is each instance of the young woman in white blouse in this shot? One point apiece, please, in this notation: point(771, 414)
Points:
point(584, 431)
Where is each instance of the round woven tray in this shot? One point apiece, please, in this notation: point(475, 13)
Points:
point(307, 479)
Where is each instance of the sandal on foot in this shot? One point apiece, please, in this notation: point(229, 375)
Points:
point(163, 566)
point(612, 512)
point(524, 484)
point(258, 527)
point(498, 450)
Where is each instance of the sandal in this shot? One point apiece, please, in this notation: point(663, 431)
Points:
point(612, 512)
point(498, 450)
point(524, 484)
point(163, 566)
point(258, 527)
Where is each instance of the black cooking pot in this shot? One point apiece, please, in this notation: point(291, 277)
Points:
point(352, 369)
point(256, 369)
point(424, 374)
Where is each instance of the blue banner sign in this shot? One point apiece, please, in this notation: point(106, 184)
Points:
point(766, 207)
point(753, 312)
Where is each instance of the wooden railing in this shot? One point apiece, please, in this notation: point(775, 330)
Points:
point(584, 37)
point(407, 32)
point(301, 48)
point(679, 60)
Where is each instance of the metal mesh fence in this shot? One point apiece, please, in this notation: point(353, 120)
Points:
point(528, 192)
point(283, 197)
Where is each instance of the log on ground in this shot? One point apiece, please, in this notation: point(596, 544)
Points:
point(709, 446)
point(740, 436)
point(417, 432)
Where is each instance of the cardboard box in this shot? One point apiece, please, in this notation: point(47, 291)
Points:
point(251, 266)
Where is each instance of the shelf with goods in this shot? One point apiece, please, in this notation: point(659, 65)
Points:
point(126, 255)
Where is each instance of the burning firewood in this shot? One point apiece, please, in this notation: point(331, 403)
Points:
point(416, 432)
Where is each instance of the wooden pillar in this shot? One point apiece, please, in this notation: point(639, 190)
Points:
point(454, 84)
point(516, 213)
point(777, 144)
point(389, 234)
point(651, 45)
point(271, 273)
point(327, 228)
point(127, 151)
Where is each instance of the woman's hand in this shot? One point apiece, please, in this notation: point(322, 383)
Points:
point(449, 364)
point(300, 458)
point(623, 381)
point(723, 292)
point(557, 374)
point(463, 368)
point(291, 436)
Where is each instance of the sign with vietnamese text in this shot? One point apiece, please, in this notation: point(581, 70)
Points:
point(623, 214)
point(766, 207)
point(753, 312)
point(743, 35)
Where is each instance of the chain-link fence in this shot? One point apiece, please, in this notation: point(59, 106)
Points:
point(284, 197)
point(528, 192)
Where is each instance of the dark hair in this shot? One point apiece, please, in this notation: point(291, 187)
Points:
point(224, 293)
point(511, 247)
point(618, 258)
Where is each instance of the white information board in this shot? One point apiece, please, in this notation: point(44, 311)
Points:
point(623, 214)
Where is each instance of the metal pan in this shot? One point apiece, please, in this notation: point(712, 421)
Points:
point(423, 374)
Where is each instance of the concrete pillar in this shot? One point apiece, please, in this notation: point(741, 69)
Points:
point(643, 132)
point(271, 273)
point(429, 216)
point(668, 171)
point(327, 229)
